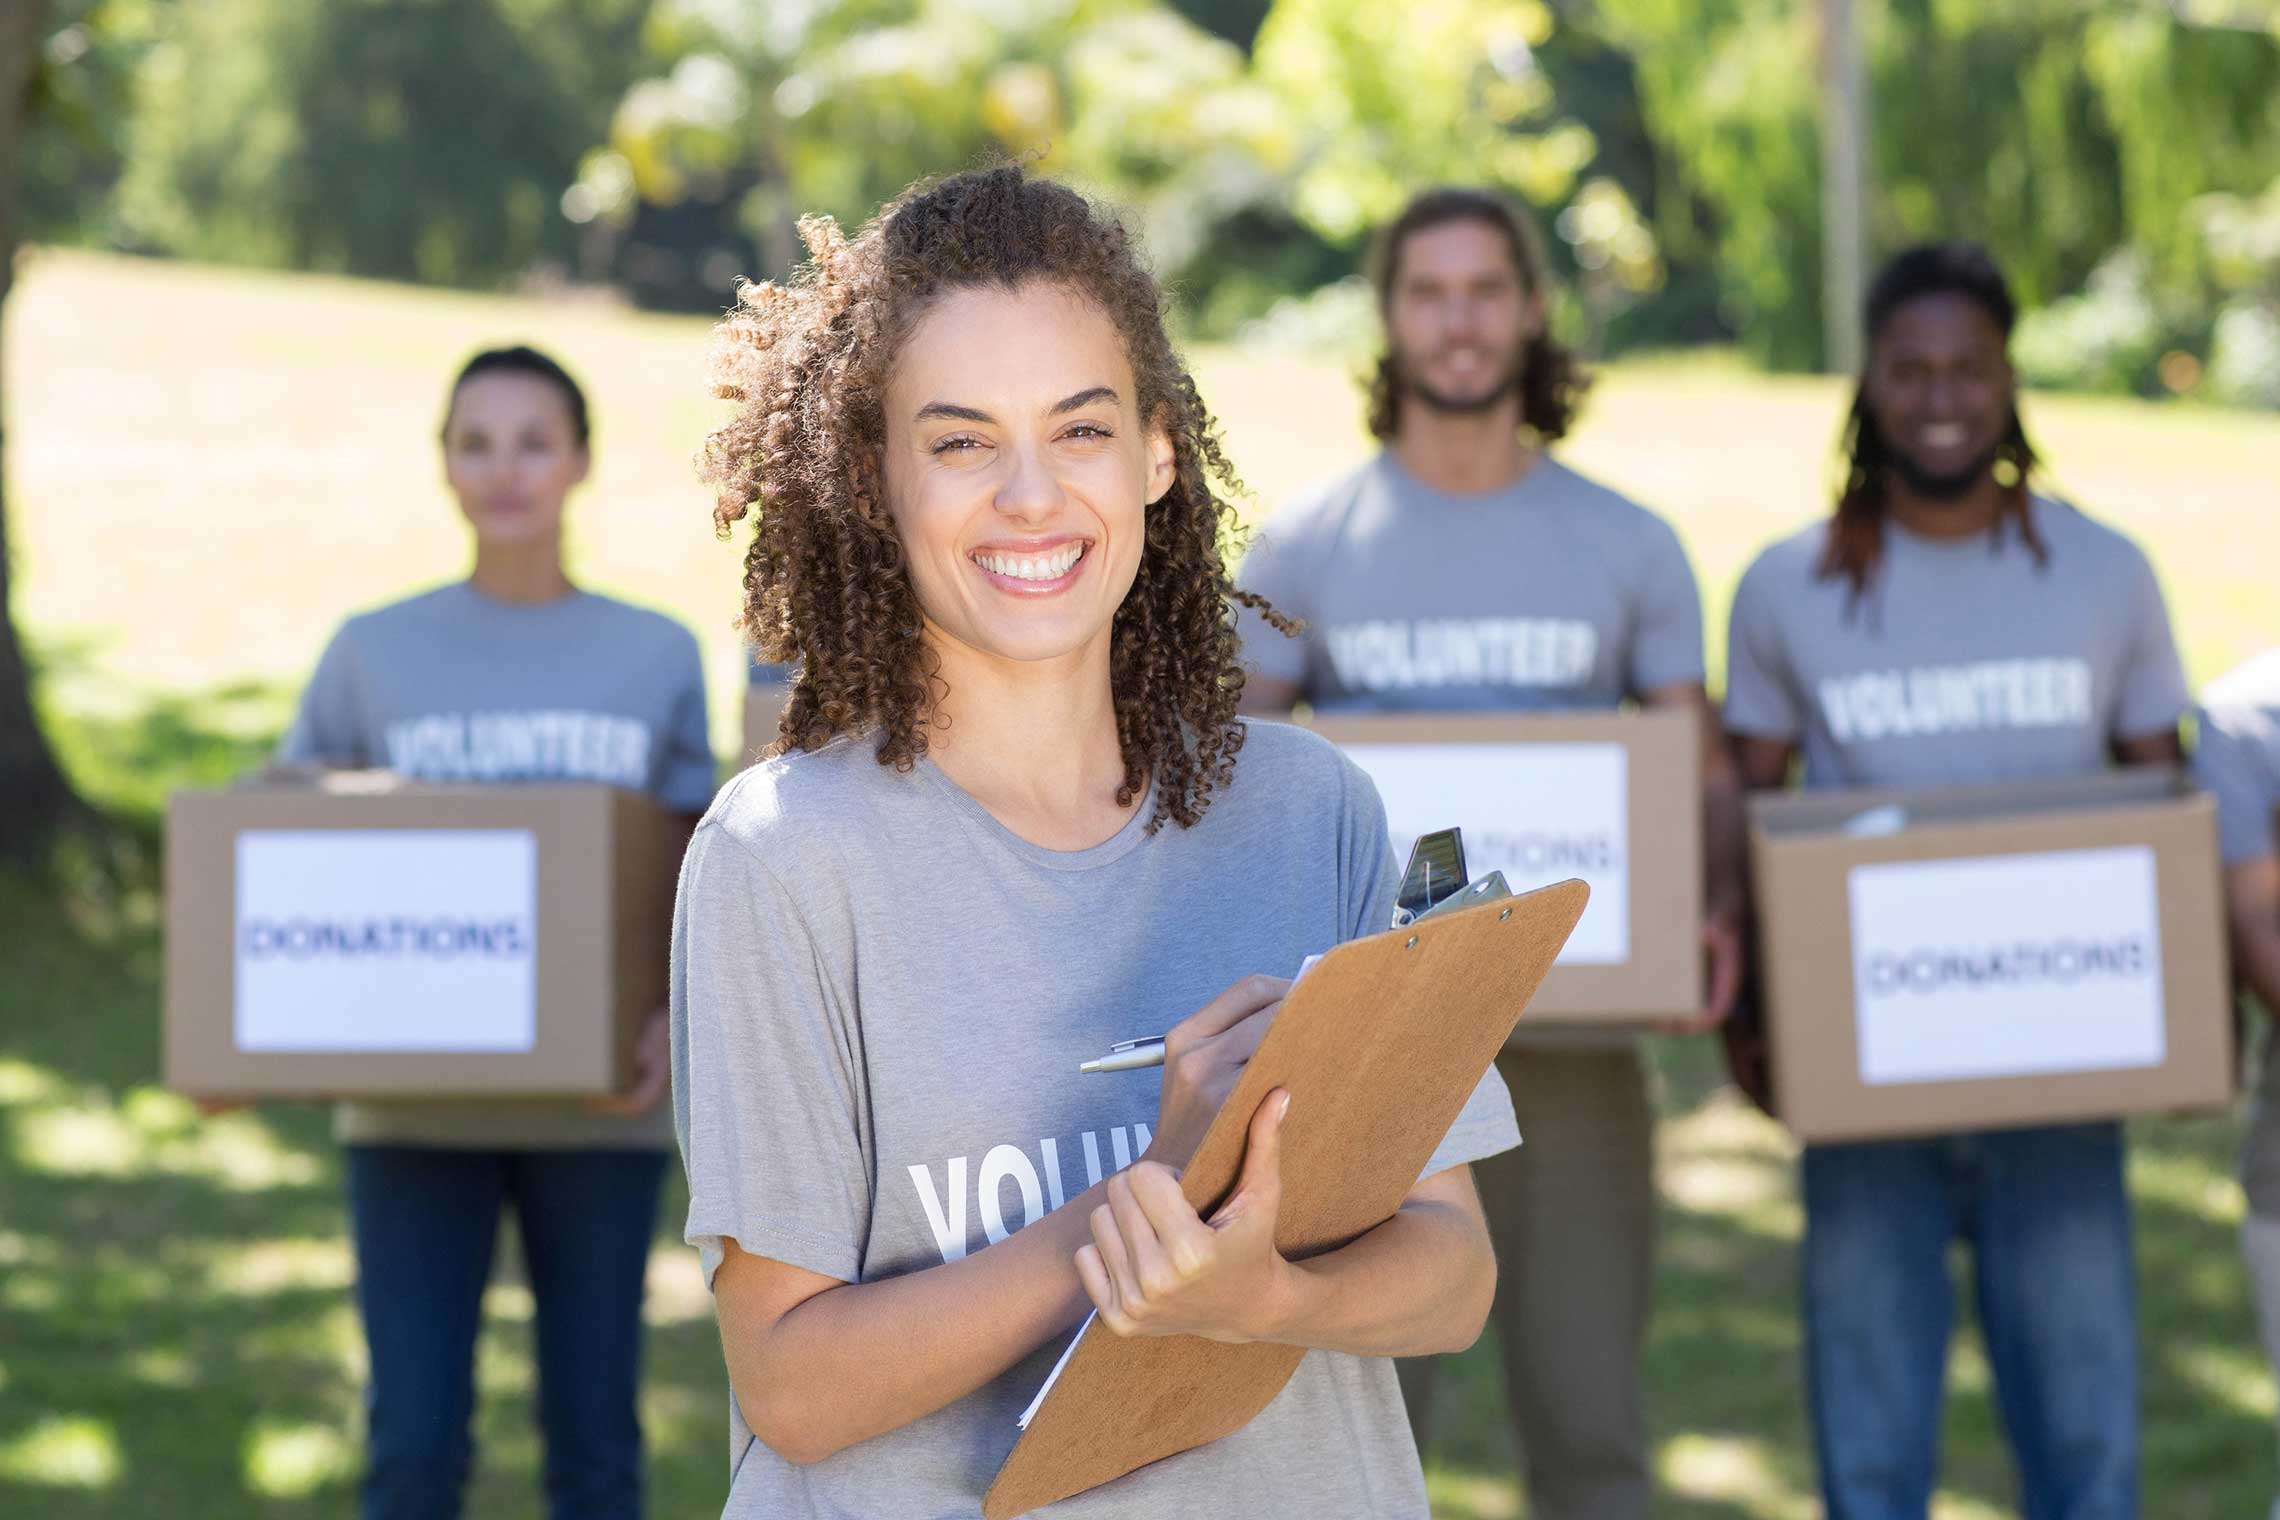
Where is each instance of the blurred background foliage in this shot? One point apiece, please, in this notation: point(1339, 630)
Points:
point(2121, 156)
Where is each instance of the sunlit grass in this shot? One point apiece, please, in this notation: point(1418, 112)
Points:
point(63, 1451)
point(1733, 1470)
point(289, 1461)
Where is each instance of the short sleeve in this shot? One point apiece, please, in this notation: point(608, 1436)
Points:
point(1274, 568)
point(1666, 628)
point(688, 774)
point(1761, 695)
point(1485, 1126)
point(2151, 694)
point(2233, 759)
point(327, 726)
point(765, 1093)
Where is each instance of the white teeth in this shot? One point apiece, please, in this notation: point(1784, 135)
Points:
point(1944, 435)
point(1033, 567)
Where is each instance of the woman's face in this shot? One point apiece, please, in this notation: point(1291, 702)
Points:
point(511, 454)
point(1019, 471)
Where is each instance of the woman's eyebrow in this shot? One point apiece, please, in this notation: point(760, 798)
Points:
point(1084, 398)
point(955, 412)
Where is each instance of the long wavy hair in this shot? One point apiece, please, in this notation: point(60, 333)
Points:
point(826, 588)
point(1855, 543)
point(1552, 379)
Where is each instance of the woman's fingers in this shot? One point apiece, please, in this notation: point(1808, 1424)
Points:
point(1186, 1241)
point(1227, 1010)
point(1241, 1040)
point(1114, 1257)
point(1151, 1267)
point(1101, 1289)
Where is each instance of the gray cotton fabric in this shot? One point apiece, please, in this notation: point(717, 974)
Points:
point(2238, 755)
point(880, 999)
point(2237, 758)
point(1965, 662)
point(456, 686)
point(1551, 593)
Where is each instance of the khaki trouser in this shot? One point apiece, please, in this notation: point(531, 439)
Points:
point(1572, 1214)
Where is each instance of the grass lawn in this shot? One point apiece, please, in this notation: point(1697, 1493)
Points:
point(209, 468)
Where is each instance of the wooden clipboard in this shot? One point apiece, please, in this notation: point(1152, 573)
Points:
point(1380, 1045)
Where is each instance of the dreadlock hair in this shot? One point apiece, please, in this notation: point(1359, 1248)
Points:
point(827, 587)
point(1552, 378)
point(1855, 542)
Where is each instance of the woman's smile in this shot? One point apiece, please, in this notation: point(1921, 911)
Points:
point(1044, 567)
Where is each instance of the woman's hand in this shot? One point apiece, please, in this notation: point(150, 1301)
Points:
point(652, 1064)
point(1203, 1055)
point(1156, 1268)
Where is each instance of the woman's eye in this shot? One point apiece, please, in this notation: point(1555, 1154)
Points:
point(958, 444)
point(1089, 430)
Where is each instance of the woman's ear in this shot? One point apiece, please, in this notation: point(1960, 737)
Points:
point(1163, 460)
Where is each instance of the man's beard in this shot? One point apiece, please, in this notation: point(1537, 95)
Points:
point(1462, 406)
point(1944, 487)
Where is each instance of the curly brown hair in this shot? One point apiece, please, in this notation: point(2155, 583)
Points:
point(1552, 378)
point(825, 584)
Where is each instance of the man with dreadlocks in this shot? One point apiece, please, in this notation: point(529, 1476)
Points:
point(1467, 568)
point(1948, 626)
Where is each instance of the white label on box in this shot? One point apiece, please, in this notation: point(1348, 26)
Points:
point(1539, 813)
point(387, 940)
point(2009, 966)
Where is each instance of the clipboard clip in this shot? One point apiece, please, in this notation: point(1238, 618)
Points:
point(1436, 872)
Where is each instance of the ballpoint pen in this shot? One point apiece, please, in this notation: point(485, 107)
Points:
point(1129, 1055)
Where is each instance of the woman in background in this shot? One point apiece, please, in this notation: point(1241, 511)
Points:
point(511, 675)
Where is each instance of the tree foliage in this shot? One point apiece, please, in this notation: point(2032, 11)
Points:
point(2117, 154)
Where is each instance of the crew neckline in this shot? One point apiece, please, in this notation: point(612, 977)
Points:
point(1091, 858)
point(1509, 494)
point(1995, 537)
point(484, 599)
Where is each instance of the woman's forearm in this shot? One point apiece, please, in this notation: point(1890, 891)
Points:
point(1419, 1284)
point(861, 1359)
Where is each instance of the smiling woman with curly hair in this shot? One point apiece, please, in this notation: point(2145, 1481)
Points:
point(825, 581)
point(991, 528)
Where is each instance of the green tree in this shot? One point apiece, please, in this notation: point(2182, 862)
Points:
point(407, 139)
point(2055, 131)
point(757, 118)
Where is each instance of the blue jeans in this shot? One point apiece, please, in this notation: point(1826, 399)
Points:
point(2048, 1217)
point(425, 1222)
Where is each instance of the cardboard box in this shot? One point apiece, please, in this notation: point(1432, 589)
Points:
point(1990, 957)
point(1612, 797)
point(366, 936)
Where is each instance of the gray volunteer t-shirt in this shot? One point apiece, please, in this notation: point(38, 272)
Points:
point(2238, 759)
point(455, 686)
point(880, 999)
point(2238, 756)
point(1965, 662)
point(1552, 593)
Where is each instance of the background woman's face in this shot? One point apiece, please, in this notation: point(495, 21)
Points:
point(511, 456)
point(1018, 470)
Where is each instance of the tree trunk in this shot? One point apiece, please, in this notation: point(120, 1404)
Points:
point(35, 798)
